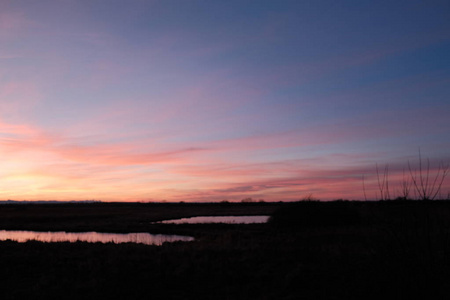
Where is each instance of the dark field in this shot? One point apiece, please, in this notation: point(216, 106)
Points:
point(309, 250)
point(117, 217)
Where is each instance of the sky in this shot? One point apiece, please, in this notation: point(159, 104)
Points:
point(186, 100)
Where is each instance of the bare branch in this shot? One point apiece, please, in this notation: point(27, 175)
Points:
point(364, 188)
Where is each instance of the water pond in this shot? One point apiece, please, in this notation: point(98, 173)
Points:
point(219, 219)
point(91, 237)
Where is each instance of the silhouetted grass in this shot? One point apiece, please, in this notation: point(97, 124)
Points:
point(339, 250)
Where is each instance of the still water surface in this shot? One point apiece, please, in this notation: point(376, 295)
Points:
point(221, 219)
point(91, 237)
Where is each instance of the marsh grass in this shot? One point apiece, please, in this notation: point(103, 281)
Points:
point(309, 250)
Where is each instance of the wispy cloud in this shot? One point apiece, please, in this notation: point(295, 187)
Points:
point(11, 23)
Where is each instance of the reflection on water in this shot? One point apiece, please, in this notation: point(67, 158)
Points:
point(91, 237)
point(221, 219)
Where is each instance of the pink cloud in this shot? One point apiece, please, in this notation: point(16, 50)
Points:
point(18, 96)
point(24, 138)
point(13, 129)
point(106, 170)
point(120, 155)
point(292, 180)
point(8, 56)
point(11, 23)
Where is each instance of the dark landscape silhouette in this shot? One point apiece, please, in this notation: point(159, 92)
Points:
point(307, 250)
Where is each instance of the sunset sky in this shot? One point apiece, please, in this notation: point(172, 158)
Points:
point(142, 100)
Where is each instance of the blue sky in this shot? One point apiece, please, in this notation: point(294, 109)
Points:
point(213, 100)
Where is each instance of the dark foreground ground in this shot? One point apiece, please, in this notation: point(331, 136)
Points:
point(309, 250)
